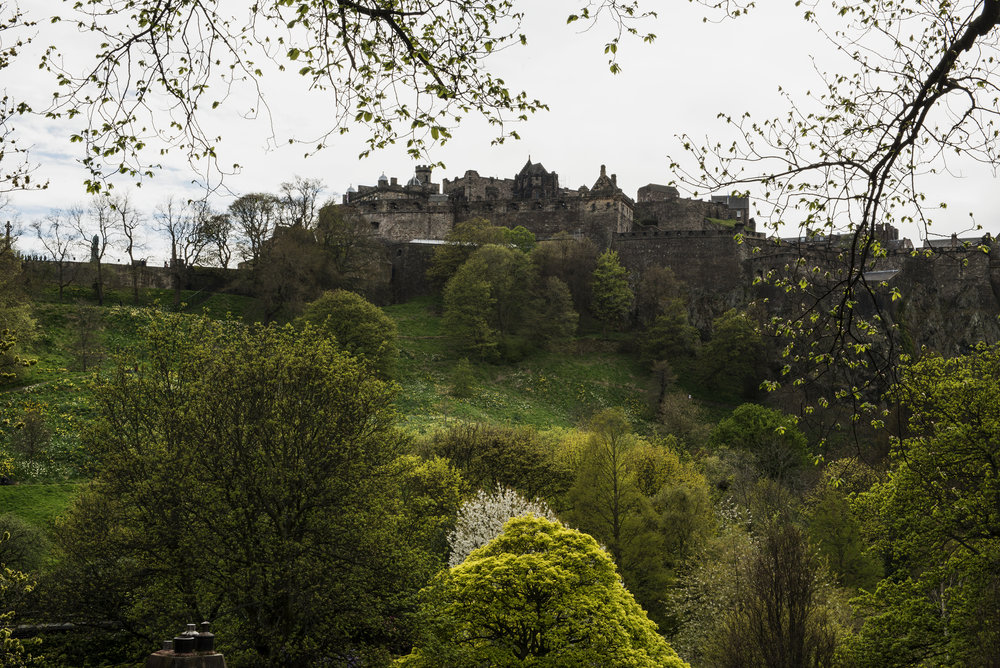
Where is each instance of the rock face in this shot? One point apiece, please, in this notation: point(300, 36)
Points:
point(950, 298)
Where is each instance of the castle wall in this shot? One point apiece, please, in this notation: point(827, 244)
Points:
point(679, 214)
point(406, 219)
point(474, 188)
point(710, 262)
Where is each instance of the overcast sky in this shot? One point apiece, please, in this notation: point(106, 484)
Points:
point(629, 121)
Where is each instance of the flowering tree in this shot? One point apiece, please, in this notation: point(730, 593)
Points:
point(481, 519)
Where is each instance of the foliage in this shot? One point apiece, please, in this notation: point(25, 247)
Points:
point(485, 301)
point(358, 326)
point(86, 345)
point(647, 508)
point(670, 336)
point(572, 261)
point(462, 378)
point(466, 237)
point(611, 297)
point(917, 87)
point(731, 361)
point(491, 456)
point(353, 249)
point(779, 448)
point(31, 435)
point(482, 518)
point(255, 216)
point(835, 529)
point(778, 617)
point(758, 593)
point(23, 545)
point(253, 510)
point(656, 292)
point(550, 317)
point(539, 594)
point(290, 271)
point(17, 327)
point(934, 520)
point(14, 586)
point(407, 73)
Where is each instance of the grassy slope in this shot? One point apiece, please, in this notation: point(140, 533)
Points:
point(547, 389)
point(64, 392)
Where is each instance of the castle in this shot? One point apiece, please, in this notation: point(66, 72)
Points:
point(425, 210)
point(712, 245)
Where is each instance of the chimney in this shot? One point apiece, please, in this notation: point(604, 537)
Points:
point(614, 179)
point(604, 171)
point(394, 181)
point(189, 649)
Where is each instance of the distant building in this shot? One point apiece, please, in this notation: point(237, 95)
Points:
point(533, 198)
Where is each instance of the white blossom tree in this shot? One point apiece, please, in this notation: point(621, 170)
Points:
point(481, 519)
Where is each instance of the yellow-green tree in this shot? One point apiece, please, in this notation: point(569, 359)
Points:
point(936, 521)
point(537, 595)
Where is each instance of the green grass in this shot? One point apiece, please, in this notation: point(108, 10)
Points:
point(547, 389)
point(38, 504)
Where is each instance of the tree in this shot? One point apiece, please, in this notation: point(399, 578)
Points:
point(255, 217)
point(538, 594)
point(432, 56)
point(550, 316)
point(468, 236)
point(611, 298)
point(97, 232)
point(57, 240)
point(656, 293)
point(641, 503)
point(918, 90)
point(778, 446)
point(299, 201)
point(182, 223)
point(291, 270)
point(934, 520)
point(482, 518)
point(352, 246)
point(485, 301)
point(492, 456)
point(128, 221)
point(731, 360)
point(285, 512)
point(217, 228)
point(358, 326)
point(87, 340)
point(778, 619)
point(670, 337)
point(572, 261)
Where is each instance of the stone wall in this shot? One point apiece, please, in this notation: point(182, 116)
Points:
point(950, 299)
point(408, 273)
point(406, 219)
point(678, 214)
point(713, 266)
point(119, 276)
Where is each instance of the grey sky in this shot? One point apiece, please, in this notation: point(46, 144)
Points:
point(629, 121)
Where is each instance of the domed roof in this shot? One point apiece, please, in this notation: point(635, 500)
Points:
point(383, 178)
point(352, 189)
point(414, 181)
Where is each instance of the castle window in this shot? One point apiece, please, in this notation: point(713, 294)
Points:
point(375, 225)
